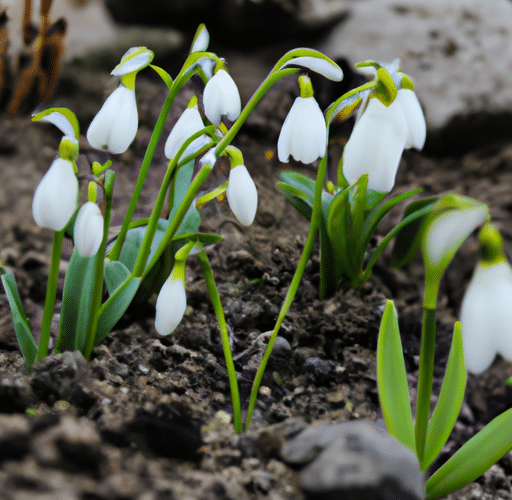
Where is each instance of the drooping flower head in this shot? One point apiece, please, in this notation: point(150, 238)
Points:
point(303, 134)
point(486, 310)
point(115, 125)
point(88, 232)
point(221, 98)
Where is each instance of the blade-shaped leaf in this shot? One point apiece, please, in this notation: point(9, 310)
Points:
point(473, 459)
point(115, 273)
point(392, 379)
point(301, 182)
point(407, 241)
point(449, 403)
point(25, 339)
point(115, 307)
point(298, 199)
point(76, 303)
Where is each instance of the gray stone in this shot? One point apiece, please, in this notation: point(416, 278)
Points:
point(354, 460)
point(458, 53)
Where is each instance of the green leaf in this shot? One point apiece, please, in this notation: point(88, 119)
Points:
point(449, 403)
point(408, 241)
point(115, 274)
point(116, 305)
point(166, 77)
point(301, 182)
point(392, 379)
point(473, 459)
point(76, 303)
point(298, 199)
point(25, 339)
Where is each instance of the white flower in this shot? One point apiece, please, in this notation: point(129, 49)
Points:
point(201, 39)
point(379, 137)
point(170, 305)
point(415, 119)
point(188, 124)
point(242, 195)
point(56, 196)
point(320, 65)
point(221, 97)
point(486, 316)
point(304, 133)
point(134, 59)
point(88, 232)
point(376, 145)
point(115, 125)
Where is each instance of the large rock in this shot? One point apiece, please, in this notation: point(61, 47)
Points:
point(354, 460)
point(458, 52)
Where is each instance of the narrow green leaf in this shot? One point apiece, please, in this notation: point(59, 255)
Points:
point(407, 241)
point(392, 379)
point(298, 199)
point(473, 459)
point(358, 205)
point(449, 403)
point(76, 303)
point(25, 339)
point(115, 307)
point(301, 182)
point(163, 75)
point(115, 274)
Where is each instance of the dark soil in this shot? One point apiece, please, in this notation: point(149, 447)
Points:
point(149, 416)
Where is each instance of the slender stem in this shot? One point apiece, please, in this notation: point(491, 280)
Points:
point(51, 293)
point(228, 355)
point(290, 295)
point(426, 372)
point(97, 291)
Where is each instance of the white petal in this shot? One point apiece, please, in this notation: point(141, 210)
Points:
point(242, 195)
point(486, 316)
point(170, 306)
point(318, 65)
point(200, 44)
point(188, 124)
point(56, 196)
point(375, 145)
point(449, 230)
point(62, 122)
point(134, 59)
point(221, 97)
point(88, 232)
point(115, 125)
point(304, 133)
point(415, 118)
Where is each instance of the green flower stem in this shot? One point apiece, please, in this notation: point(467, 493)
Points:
point(228, 355)
point(260, 92)
point(290, 295)
point(97, 291)
point(51, 293)
point(426, 371)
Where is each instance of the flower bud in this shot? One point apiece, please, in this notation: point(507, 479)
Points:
point(88, 233)
point(170, 305)
point(242, 195)
point(56, 196)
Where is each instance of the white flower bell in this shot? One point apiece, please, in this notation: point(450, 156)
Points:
point(376, 144)
point(56, 195)
point(189, 123)
point(115, 125)
point(242, 195)
point(88, 232)
point(170, 304)
point(221, 97)
point(304, 132)
point(486, 311)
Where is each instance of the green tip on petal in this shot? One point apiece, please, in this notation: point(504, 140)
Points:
point(134, 59)
point(192, 103)
point(63, 118)
point(68, 148)
point(385, 90)
point(306, 88)
point(491, 245)
point(406, 82)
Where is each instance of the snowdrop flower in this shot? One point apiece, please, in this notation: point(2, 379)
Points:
point(376, 145)
point(88, 233)
point(221, 97)
point(304, 133)
point(242, 195)
point(56, 195)
point(115, 125)
point(170, 304)
point(201, 40)
point(486, 311)
point(188, 124)
point(417, 127)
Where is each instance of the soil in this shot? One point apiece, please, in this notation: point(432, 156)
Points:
point(149, 416)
